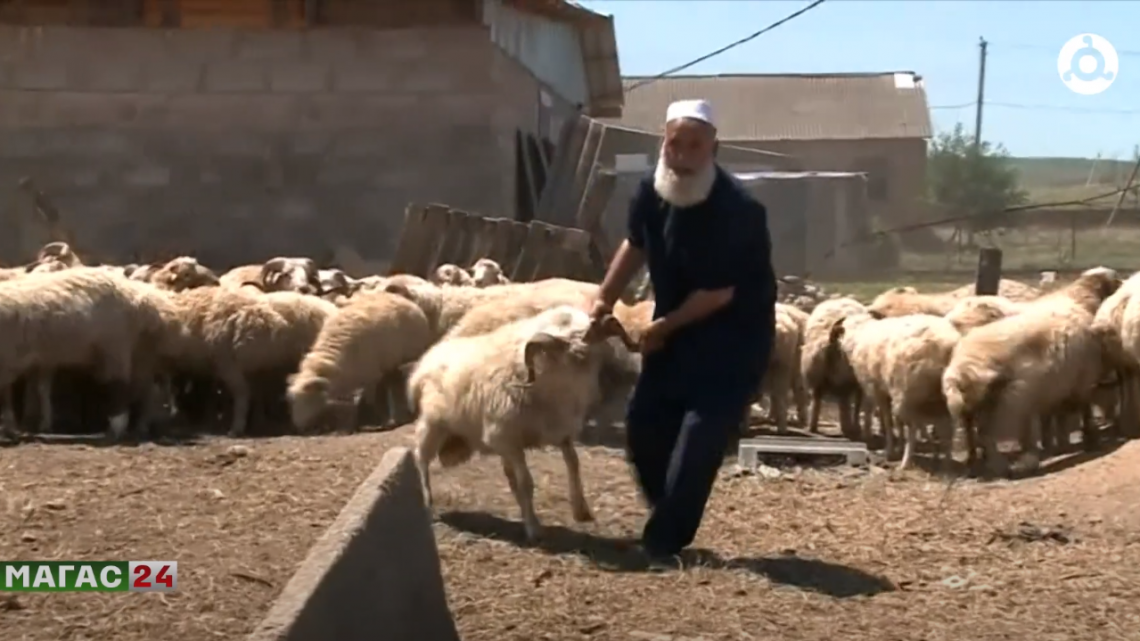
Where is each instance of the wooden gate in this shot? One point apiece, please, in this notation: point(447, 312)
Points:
point(435, 235)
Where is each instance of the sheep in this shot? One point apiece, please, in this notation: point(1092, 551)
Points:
point(825, 372)
point(901, 301)
point(898, 362)
point(453, 275)
point(55, 256)
point(445, 306)
point(783, 375)
point(334, 283)
point(1047, 358)
point(277, 274)
point(975, 311)
point(620, 369)
point(1111, 320)
point(83, 317)
point(179, 274)
point(526, 302)
point(525, 385)
point(368, 339)
point(232, 334)
point(1013, 290)
point(486, 272)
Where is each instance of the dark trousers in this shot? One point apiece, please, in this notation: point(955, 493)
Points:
point(677, 431)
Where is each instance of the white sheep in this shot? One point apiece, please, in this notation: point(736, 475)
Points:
point(445, 306)
point(365, 341)
point(1048, 358)
point(79, 317)
point(898, 362)
point(825, 370)
point(783, 376)
point(527, 384)
point(975, 311)
point(486, 272)
point(233, 335)
point(1111, 320)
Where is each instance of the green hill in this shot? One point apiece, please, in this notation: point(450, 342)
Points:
point(1053, 173)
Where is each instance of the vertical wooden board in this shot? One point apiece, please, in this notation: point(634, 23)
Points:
point(481, 240)
point(452, 237)
point(501, 241)
point(531, 253)
point(570, 203)
point(470, 228)
point(573, 248)
point(435, 222)
point(412, 239)
point(550, 259)
point(561, 177)
point(518, 233)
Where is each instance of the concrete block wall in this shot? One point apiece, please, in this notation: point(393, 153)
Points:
point(242, 145)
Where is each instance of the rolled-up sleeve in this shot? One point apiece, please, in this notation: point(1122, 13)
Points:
point(639, 206)
point(727, 257)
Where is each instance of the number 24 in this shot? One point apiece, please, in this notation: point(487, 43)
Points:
point(143, 573)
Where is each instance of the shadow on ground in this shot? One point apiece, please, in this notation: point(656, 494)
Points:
point(623, 555)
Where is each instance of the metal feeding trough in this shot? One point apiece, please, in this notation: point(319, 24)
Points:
point(751, 449)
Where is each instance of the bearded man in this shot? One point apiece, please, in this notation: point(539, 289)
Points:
point(706, 243)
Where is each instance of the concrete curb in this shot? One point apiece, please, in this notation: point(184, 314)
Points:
point(374, 574)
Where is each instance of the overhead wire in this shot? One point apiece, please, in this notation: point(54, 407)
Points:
point(728, 47)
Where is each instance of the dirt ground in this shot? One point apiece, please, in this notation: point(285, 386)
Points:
point(238, 516)
point(811, 554)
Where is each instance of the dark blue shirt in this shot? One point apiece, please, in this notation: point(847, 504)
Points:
point(721, 242)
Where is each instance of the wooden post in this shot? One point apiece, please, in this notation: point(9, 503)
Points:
point(989, 272)
point(1073, 236)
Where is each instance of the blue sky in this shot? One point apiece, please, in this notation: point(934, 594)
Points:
point(1033, 113)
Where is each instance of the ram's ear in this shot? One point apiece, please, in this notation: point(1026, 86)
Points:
point(540, 343)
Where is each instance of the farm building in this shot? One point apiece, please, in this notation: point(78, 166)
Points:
point(874, 123)
point(198, 125)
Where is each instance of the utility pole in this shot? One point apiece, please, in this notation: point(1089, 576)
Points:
point(981, 93)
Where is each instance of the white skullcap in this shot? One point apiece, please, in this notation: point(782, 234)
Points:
point(694, 109)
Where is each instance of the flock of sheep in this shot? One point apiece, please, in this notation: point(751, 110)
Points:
point(1023, 365)
point(494, 367)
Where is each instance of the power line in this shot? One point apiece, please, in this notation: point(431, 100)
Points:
point(873, 235)
point(727, 47)
point(1016, 105)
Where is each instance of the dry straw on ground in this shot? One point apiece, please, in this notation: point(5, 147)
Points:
point(811, 555)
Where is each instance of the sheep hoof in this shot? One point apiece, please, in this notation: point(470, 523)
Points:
point(582, 514)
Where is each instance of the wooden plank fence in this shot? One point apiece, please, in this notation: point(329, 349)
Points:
point(435, 235)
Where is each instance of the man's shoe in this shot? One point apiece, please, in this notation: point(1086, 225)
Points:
point(660, 561)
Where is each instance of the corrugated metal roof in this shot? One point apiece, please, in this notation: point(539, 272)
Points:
point(791, 106)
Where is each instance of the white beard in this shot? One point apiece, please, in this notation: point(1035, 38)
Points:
point(683, 191)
